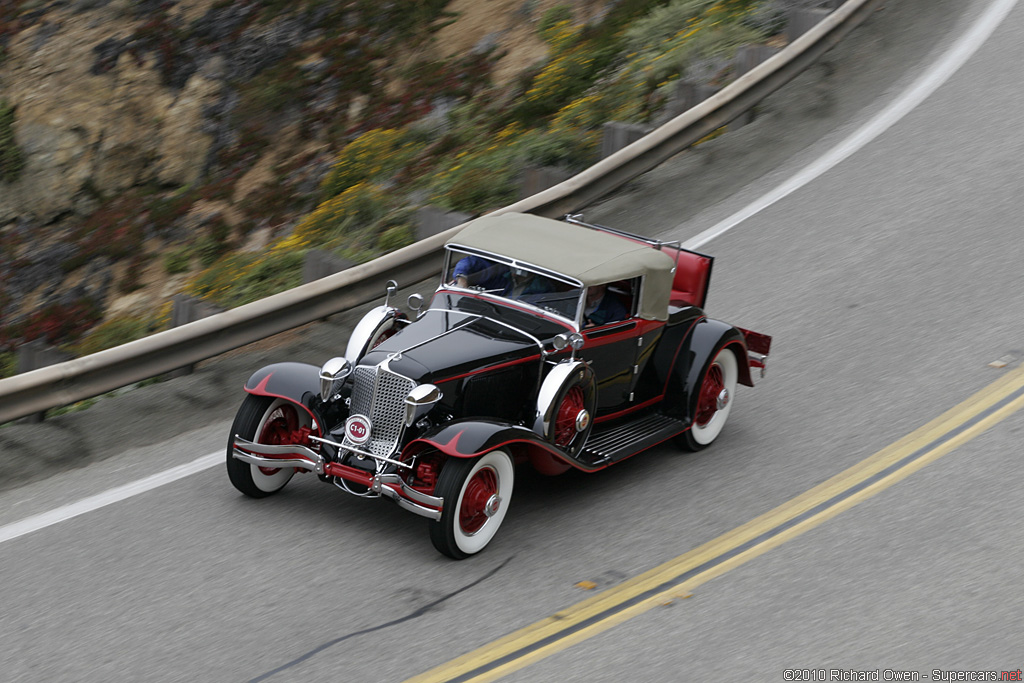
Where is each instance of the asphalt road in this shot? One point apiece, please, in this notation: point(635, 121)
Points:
point(889, 284)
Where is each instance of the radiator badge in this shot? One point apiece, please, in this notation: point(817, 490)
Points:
point(357, 429)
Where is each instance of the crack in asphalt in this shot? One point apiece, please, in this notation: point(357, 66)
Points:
point(412, 615)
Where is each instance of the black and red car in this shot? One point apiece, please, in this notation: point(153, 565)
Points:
point(552, 344)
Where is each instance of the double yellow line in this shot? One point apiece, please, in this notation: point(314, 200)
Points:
point(675, 578)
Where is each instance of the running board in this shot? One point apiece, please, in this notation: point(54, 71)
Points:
point(623, 440)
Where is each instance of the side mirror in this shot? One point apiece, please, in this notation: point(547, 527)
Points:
point(415, 303)
point(332, 376)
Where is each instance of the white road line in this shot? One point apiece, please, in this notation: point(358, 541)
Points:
point(962, 50)
point(36, 522)
point(924, 86)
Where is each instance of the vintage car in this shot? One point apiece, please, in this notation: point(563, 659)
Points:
point(553, 344)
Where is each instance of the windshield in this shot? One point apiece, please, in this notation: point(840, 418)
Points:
point(514, 281)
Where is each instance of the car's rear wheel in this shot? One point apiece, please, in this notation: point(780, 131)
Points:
point(714, 401)
point(476, 494)
point(265, 420)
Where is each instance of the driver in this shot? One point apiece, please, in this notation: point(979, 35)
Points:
point(476, 271)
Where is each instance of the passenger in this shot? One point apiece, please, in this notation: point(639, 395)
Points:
point(602, 308)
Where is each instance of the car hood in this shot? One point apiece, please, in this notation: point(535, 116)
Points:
point(444, 344)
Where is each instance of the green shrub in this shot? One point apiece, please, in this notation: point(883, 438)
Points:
point(361, 206)
point(373, 154)
point(674, 38)
point(477, 182)
point(11, 159)
point(178, 260)
point(7, 364)
point(589, 112)
point(396, 237)
point(551, 18)
point(663, 23)
point(113, 332)
point(275, 89)
point(238, 279)
point(570, 148)
point(570, 71)
point(208, 249)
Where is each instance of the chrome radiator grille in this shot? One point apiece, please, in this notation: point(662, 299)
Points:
point(380, 395)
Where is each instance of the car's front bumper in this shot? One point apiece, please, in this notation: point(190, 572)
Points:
point(304, 458)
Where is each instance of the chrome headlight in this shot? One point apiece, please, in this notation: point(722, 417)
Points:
point(332, 376)
point(419, 402)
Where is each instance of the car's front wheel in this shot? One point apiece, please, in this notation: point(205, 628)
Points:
point(714, 401)
point(265, 420)
point(476, 494)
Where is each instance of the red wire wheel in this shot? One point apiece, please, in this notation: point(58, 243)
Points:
point(476, 492)
point(478, 500)
point(270, 421)
point(707, 403)
point(715, 399)
point(279, 429)
point(568, 411)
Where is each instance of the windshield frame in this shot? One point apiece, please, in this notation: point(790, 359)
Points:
point(453, 248)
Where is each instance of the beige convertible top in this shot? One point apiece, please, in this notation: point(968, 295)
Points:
point(591, 256)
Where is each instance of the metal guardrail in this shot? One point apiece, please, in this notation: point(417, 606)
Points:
point(81, 378)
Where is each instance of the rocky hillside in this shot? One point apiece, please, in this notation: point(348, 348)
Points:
point(144, 141)
point(128, 128)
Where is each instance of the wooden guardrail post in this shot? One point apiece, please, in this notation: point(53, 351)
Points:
point(685, 95)
point(187, 309)
point(800, 21)
point(431, 220)
point(319, 264)
point(34, 355)
point(749, 56)
point(617, 135)
point(536, 179)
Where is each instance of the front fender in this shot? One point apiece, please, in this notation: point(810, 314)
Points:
point(362, 337)
point(470, 438)
point(295, 382)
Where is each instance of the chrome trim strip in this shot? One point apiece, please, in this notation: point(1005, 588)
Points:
point(477, 316)
point(577, 219)
point(757, 360)
point(561, 318)
point(373, 319)
point(398, 354)
point(409, 498)
point(313, 461)
point(515, 263)
point(545, 412)
point(384, 480)
point(410, 506)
